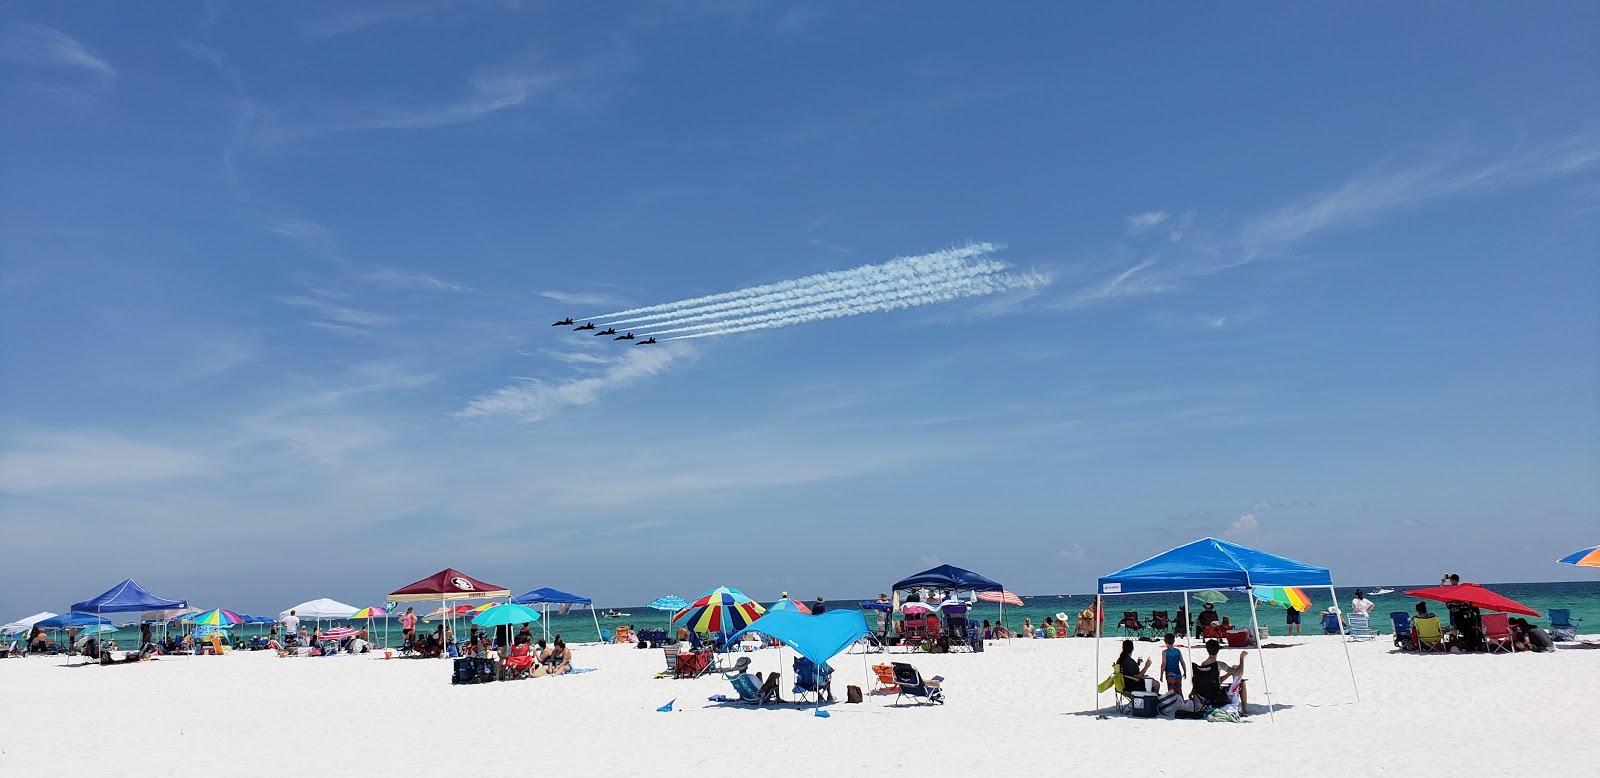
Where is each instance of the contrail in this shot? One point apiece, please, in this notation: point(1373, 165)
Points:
point(815, 296)
point(990, 285)
point(982, 283)
point(862, 274)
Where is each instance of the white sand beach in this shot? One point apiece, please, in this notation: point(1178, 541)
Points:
point(1022, 707)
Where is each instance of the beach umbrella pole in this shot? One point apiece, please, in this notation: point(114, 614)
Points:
point(1255, 628)
point(1346, 640)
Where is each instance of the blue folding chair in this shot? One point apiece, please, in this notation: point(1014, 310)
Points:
point(810, 679)
point(1562, 625)
point(1402, 630)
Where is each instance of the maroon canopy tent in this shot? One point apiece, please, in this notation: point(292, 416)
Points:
point(448, 584)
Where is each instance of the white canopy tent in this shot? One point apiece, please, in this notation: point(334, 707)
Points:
point(322, 609)
point(22, 625)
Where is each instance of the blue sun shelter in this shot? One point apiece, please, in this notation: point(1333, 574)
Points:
point(124, 597)
point(817, 638)
point(1210, 563)
point(546, 596)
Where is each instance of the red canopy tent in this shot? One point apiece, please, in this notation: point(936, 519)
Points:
point(446, 585)
point(1474, 595)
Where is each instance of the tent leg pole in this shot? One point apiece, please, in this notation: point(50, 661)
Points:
point(596, 617)
point(1098, 628)
point(1255, 631)
point(1335, 595)
point(1188, 634)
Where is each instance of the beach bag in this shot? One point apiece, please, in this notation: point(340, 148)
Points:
point(852, 694)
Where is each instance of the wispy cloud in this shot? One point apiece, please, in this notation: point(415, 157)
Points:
point(1140, 223)
point(488, 93)
point(1135, 280)
point(41, 46)
point(78, 459)
point(591, 299)
point(534, 400)
point(1390, 186)
point(307, 234)
point(1243, 526)
point(406, 280)
point(365, 18)
point(338, 317)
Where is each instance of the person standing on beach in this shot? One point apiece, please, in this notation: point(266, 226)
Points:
point(291, 624)
point(1172, 665)
point(408, 626)
point(1361, 606)
point(1292, 619)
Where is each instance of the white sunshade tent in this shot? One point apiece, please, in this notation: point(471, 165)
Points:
point(321, 610)
point(22, 625)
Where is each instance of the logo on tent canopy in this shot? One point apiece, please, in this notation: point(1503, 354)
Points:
point(461, 583)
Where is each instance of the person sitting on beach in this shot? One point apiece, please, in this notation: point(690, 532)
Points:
point(1207, 617)
point(1048, 628)
point(561, 657)
point(1209, 675)
point(1181, 626)
point(1027, 628)
point(39, 641)
point(1133, 671)
point(1172, 665)
point(1422, 611)
point(988, 631)
point(1527, 637)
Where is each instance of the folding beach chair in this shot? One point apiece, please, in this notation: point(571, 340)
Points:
point(1130, 624)
point(916, 631)
point(671, 654)
point(1429, 635)
point(1497, 633)
point(810, 679)
point(1117, 684)
point(1404, 637)
point(749, 692)
point(1160, 622)
point(886, 680)
point(960, 638)
point(1359, 627)
point(912, 685)
point(1562, 625)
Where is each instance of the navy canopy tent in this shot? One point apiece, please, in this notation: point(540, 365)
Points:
point(72, 619)
point(948, 577)
point(547, 596)
point(1210, 563)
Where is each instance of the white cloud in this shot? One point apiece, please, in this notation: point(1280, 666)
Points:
point(338, 316)
point(489, 93)
point(1131, 282)
point(1072, 553)
point(41, 46)
point(307, 234)
point(595, 299)
point(406, 280)
point(76, 459)
point(1140, 223)
point(533, 400)
point(1242, 526)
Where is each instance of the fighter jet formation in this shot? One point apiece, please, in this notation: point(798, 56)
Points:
point(589, 325)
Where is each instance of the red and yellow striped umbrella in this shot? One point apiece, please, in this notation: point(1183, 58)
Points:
point(721, 610)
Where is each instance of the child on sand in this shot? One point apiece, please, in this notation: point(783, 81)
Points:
point(1172, 666)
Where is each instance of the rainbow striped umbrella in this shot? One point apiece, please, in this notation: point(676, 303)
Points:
point(217, 618)
point(722, 610)
point(1285, 596)
point(373, 612)
point(1589, 557)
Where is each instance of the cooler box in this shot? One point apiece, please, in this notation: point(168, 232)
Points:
point(1146, 705)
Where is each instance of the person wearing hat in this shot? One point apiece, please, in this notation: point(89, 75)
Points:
point(1207, 617)
point(818, 607)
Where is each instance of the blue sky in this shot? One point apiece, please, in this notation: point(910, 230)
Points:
point(277, 282)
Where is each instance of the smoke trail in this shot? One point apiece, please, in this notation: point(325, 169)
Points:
point(1028, 280)
point(811, 297)
point(984, 285)
point(957, 254)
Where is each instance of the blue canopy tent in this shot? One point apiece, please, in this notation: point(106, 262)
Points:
point(71, 619)
point(948, 577)
point(817, 638)
point(546, 596)
point(124, 597)
point(1210, 563)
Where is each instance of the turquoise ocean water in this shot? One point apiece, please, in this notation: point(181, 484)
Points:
point(1582, 598)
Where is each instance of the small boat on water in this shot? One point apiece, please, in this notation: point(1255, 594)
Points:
point(612, 614)
point(1381, 591)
